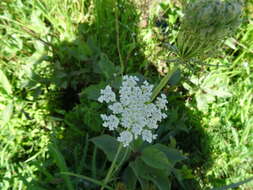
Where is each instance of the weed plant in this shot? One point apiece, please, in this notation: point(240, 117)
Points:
point(56, 56)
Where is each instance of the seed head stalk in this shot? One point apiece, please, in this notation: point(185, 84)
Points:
point(163, 83)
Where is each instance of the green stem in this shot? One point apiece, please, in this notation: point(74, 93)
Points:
point(163, 82)
point(87, 178)
point(121, 161)
point(117, 37)
point(109, 173)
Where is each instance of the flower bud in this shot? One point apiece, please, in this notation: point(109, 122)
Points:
point(206, 23)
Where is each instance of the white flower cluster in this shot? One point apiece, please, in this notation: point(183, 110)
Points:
point(133, 115)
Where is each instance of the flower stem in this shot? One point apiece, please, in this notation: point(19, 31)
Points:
point(117, 37)
point(121, 161)
point(109, 173)
point(163, 82)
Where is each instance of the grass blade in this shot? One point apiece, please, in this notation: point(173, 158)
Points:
point(60, 162)
point(234, 185)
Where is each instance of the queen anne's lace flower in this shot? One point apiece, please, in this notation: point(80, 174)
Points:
point(161, 102)
point(107, 95)
point(133, 115)
point(110, 121)
point(125, 137)
point(148, 136)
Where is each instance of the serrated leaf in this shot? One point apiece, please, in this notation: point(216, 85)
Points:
point(155, 158)
point(5, 84)
point(221, 92)
point(105, 67)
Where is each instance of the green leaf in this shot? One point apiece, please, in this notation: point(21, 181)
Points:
point(161, 181)
point(175, 78)
point(172, 154)
point(93, 91)
point(129, 178)
point(155, 158)
point(105, 67)
point(179, 177)
point(157, 176)
point(5, 84)
point(108, 145)
point(61, 164)
point(140, 172)
point(234, 185)
point(6, 114)
point(203, 100)
point(222, 92)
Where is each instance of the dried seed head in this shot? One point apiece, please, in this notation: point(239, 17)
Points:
point(206, 23)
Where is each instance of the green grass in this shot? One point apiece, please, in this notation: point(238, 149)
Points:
point(55, 54)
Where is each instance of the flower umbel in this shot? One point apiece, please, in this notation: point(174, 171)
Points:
point(132, 114)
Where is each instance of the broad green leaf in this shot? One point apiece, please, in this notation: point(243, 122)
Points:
point(5, 84)
point(108, 145)
point(216, 85)
point(140, 172)
point(155, 158)
point(93, 92)
point(105, 67)
point(172, 154)
point(161, 180)
point(157, 176)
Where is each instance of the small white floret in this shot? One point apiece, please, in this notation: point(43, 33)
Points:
point(161, 102)
point(107, 95)
point(116, 108)
point(110, 121)
point(125, 137)
point(147, 135)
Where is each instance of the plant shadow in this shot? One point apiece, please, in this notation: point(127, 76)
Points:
point(183, 130)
